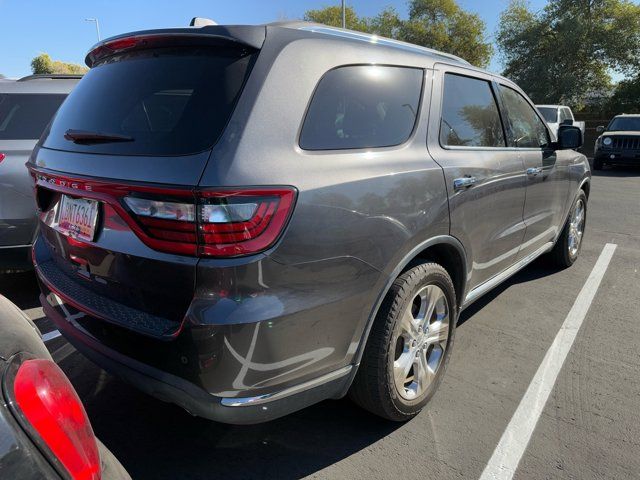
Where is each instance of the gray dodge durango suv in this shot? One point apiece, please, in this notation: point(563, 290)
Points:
point(246, 220)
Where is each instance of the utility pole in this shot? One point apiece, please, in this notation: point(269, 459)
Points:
point(344, 16)
point(95, 20)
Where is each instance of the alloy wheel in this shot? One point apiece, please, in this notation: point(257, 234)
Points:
point(422, 341)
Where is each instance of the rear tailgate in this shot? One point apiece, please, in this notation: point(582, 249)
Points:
point(153, 110)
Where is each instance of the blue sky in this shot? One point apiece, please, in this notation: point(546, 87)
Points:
point(29, 27)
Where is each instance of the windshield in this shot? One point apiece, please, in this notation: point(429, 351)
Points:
point(550, 114)
point(25, 116)
point(625, 124)
point(167, 101)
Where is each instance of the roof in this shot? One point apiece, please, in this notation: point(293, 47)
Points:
point(371, 39)
point(254, 36)
point(54, 84)
point(552, 106)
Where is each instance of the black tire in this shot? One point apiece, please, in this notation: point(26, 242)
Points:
point(560, 255)
point(374, 388)
point(597, 164)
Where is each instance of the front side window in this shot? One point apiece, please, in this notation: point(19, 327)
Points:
point(363, 106)
point(528, 130)
point(470, 115)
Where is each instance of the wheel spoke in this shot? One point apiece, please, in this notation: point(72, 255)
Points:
point(438, 332)
point(409, 325)
point(402, 367)
point(432, 300)
point(423, 374)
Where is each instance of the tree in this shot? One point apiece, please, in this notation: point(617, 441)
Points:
point(439, 24)
point(332, 16)
point(43, 64)
point(564, 53)
point(626, 97)
point(443, 25)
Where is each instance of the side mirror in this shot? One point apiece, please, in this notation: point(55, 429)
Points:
point(600, 129)
point(567, 121)
point(569, 137)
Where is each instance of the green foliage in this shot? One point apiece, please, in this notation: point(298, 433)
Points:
point(626, 98)
point(564, 53)
point(43, 64)
point(439, 24)
point(332, 16)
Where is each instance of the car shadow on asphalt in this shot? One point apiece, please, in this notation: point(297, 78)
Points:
point(21, 288)
point(617, 171)
point(539, 268)
point(156, 440)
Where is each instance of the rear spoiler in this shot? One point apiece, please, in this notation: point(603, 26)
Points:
point(242, 36)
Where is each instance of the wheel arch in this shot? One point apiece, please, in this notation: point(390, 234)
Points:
point(445, 250)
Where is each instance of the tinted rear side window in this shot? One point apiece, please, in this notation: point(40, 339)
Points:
point(470, 115)
point(364, 106)
point(171, 101)
point(24, 116)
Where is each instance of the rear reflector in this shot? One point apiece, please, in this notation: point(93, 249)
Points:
point(51, 405)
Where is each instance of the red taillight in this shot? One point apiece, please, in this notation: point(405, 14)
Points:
point(196, 222)
point(48, 401)
point(2, 157)
point(242, 222)
point(122, 43)
point(218, 224)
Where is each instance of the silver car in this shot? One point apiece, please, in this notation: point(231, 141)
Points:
point(26, 107)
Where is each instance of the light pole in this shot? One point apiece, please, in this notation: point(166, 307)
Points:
point(95, 20)
point(344, 16)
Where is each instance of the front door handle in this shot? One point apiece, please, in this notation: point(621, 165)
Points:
point(533, 172)
point(464, 182)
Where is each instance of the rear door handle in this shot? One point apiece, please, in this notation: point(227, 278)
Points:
point(464, 182)
point(534, 171)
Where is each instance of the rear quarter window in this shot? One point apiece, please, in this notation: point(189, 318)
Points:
point(24, 116)
point(170, 101)
point(363, 106)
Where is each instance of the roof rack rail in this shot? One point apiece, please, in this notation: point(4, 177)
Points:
point(53, 76)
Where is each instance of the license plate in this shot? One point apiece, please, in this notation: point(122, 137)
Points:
point(77, 218)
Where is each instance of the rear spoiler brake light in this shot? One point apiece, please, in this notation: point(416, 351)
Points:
point(247, 37)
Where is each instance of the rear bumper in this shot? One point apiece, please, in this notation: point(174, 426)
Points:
point(173, 389)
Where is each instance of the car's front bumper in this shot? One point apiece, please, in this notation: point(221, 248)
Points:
point(618, 157)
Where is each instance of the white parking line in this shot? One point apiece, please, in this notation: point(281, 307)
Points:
point(50, 335)
point(514, 440)
point(34, 313)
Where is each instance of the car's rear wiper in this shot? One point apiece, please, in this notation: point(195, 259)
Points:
point(85, 136)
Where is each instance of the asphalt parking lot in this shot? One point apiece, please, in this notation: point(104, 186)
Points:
point(589, 427)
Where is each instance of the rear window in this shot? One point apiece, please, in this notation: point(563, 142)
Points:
point(25, 116)
point(169, 101)
point(364, 106)
point(550, 114)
